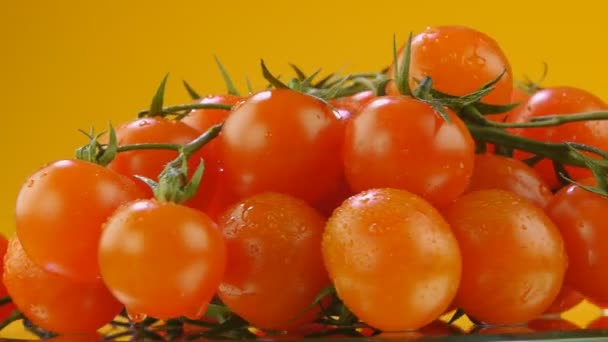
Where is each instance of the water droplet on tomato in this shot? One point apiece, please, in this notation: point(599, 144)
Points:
point(143, 123)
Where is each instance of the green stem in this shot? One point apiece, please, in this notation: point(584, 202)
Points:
point(540, 121)
point(187, 107)
point(149, 146)
point(560, 152)
point(201, 141)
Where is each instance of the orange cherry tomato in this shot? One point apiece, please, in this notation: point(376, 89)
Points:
point(580, 216)
point(562, 101)
point(513, 257)
point(54, 302)
point(392, 258)
point(400, 142)
point(275, 268)
point(60, 212)
point(162, 259)
point(459, 60)
point(493, 171)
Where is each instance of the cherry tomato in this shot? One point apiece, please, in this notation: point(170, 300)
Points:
point(162, 259)
point(566, 300)
point(513, 257)
point(204, 119)
point(459, 60)
point(392, 258)
point(552, 324)
point(6, 309)
point(580, 216)
point(275, 268)
point(54, 302)
point(561, 101)
point(64, 205)
point(493, 171)
point(400, 142)
point(277, 140)
point(150, 163)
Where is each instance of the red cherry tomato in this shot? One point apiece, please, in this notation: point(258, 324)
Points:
point(400, 142)
point(513, 257)
point(492, 171)
point(278, 140)
point(275, 268)
point(392, 258)
point(162, 259)
point(60, 212)
point(54, 302)
point(580, 216)
point(562, 101)
point(150, 163)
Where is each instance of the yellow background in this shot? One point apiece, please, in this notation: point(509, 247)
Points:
point(74, 64)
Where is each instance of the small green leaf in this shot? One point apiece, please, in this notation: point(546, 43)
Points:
point(335, 90)
point(227, 79)
point(439, 108)
point(301, 75)
point(561, 173)
point(346, 316)
point(329, 290)
point(109, 153)
point(193, 94)
point(381, 87)
point(156, 107)
point(308, 80)
point(249, 86)
point(403, 76)
point(493, 82)
point(321, 83)
point(151, 183)
point(192, 187)
point(274, 81)
point(217, 312)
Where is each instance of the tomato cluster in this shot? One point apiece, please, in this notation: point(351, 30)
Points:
point(384, 207)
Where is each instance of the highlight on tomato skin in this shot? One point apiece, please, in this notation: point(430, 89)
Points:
point(274, 265)
point(513, 255)
point(580, 216)
point(393, 133)
point(562, 101)
point(54, 302)
point(183, 244)
point(64, 205)
point(361, 242)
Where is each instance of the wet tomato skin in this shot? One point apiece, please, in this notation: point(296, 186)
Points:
point(513, 257)
point(363, 239)
point(55, 302)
